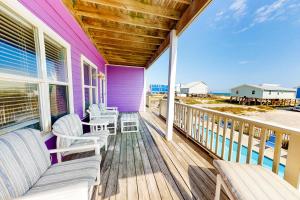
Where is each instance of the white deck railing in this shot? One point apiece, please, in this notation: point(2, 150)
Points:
point(244, 137)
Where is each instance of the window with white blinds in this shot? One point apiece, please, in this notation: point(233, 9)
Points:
point(55, 61)
point(90, 85)
point(25, 77)
point(57, 76)
point(17, 48)
point(19, 103)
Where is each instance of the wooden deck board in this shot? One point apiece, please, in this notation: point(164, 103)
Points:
point(144, 165)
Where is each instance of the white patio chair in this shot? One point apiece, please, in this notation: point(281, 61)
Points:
point(249, 182)
point(96, 114)
point(108, 110)
point(69, 132)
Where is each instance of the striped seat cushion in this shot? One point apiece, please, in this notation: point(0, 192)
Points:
point(252, 182)
point(69, 125)
point(23, 159)
point(69, 172)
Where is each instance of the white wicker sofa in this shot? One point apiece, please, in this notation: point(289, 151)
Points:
point(26, 171)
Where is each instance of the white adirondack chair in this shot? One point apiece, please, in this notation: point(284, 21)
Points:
point(97, 115)
point(69, 132)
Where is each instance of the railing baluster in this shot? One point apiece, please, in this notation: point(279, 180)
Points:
point(262, 145)
point(231, 140)
point(217, 135)
point(195, 124)
point(277, 151)
point(199, 125)
point(241, 133)
point(202, 133)
point(207, 131)
point(224, 138)
point(250, 144)
point(212, 132)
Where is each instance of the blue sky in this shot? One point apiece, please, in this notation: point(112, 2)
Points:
point(238, 41)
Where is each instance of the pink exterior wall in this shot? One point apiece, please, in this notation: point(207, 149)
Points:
point(125, 88)
point(56, 16)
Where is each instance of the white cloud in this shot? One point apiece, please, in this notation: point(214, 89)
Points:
point(239, 8)
point(269, 12)
point(244, 62)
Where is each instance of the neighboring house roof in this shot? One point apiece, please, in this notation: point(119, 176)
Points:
point(271, 87)
point(192, 84)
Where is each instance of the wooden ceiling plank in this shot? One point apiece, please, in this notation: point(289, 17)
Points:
point(124, 37)
point(126, 64)
point(140, 58)
point(109, 51)
point(124, 45)
point(127, 42)
point(188, 2)
point(102, 14)
point(128, 49)
point(140, 7)
point(128, 30)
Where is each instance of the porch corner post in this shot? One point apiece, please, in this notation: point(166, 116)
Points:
point(171, 83)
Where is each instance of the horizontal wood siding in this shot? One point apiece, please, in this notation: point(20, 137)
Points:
point(56, 16)
point(125, 88)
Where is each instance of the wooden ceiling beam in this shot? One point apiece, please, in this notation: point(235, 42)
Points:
point(117, 57)
point(120, 52)
point(134, 31)
point(126, 44)
point(188, 2)
point(123, 37)
point(128, 61)
point(112, 53)
point(121, 41)
point(127, 64)
point(126, 49)
point(140, 7)
point(101, 14)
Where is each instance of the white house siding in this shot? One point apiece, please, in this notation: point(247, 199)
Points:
point(279, 95)
point(247, 91)
point(198, 89)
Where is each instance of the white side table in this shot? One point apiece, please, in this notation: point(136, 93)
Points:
point(129, 123)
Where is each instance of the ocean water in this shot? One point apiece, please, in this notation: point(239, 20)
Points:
point(227, 94)
point(267, 162)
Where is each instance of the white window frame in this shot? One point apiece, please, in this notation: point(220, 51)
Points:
point(83, 60)
point(102, 88)
point(19, 12)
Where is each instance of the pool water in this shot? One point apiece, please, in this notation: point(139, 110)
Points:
point(267, 162)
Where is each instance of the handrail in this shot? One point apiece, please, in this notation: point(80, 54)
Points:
point(208, 128)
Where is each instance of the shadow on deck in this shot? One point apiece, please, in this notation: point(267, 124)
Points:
point(144, 165)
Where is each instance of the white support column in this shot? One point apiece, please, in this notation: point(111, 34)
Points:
point(171, 83)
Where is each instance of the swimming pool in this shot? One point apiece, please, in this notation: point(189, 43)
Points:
point(267, 162)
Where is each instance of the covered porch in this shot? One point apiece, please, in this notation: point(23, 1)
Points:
point(143, 165)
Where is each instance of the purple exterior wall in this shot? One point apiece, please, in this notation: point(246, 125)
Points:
point(125, 88)
point(56, 16)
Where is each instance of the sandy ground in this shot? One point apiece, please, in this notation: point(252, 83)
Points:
point(282, 117)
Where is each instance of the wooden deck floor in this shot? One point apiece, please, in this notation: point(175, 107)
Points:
point(144, 165)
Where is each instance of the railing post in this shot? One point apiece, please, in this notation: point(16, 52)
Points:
point(189, 121)
point(292, 170)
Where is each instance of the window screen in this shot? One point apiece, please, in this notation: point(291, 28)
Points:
point(17, 48)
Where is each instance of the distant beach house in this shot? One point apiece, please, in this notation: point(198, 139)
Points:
point(197, 88)
point(158, 89)
point(265, 93)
